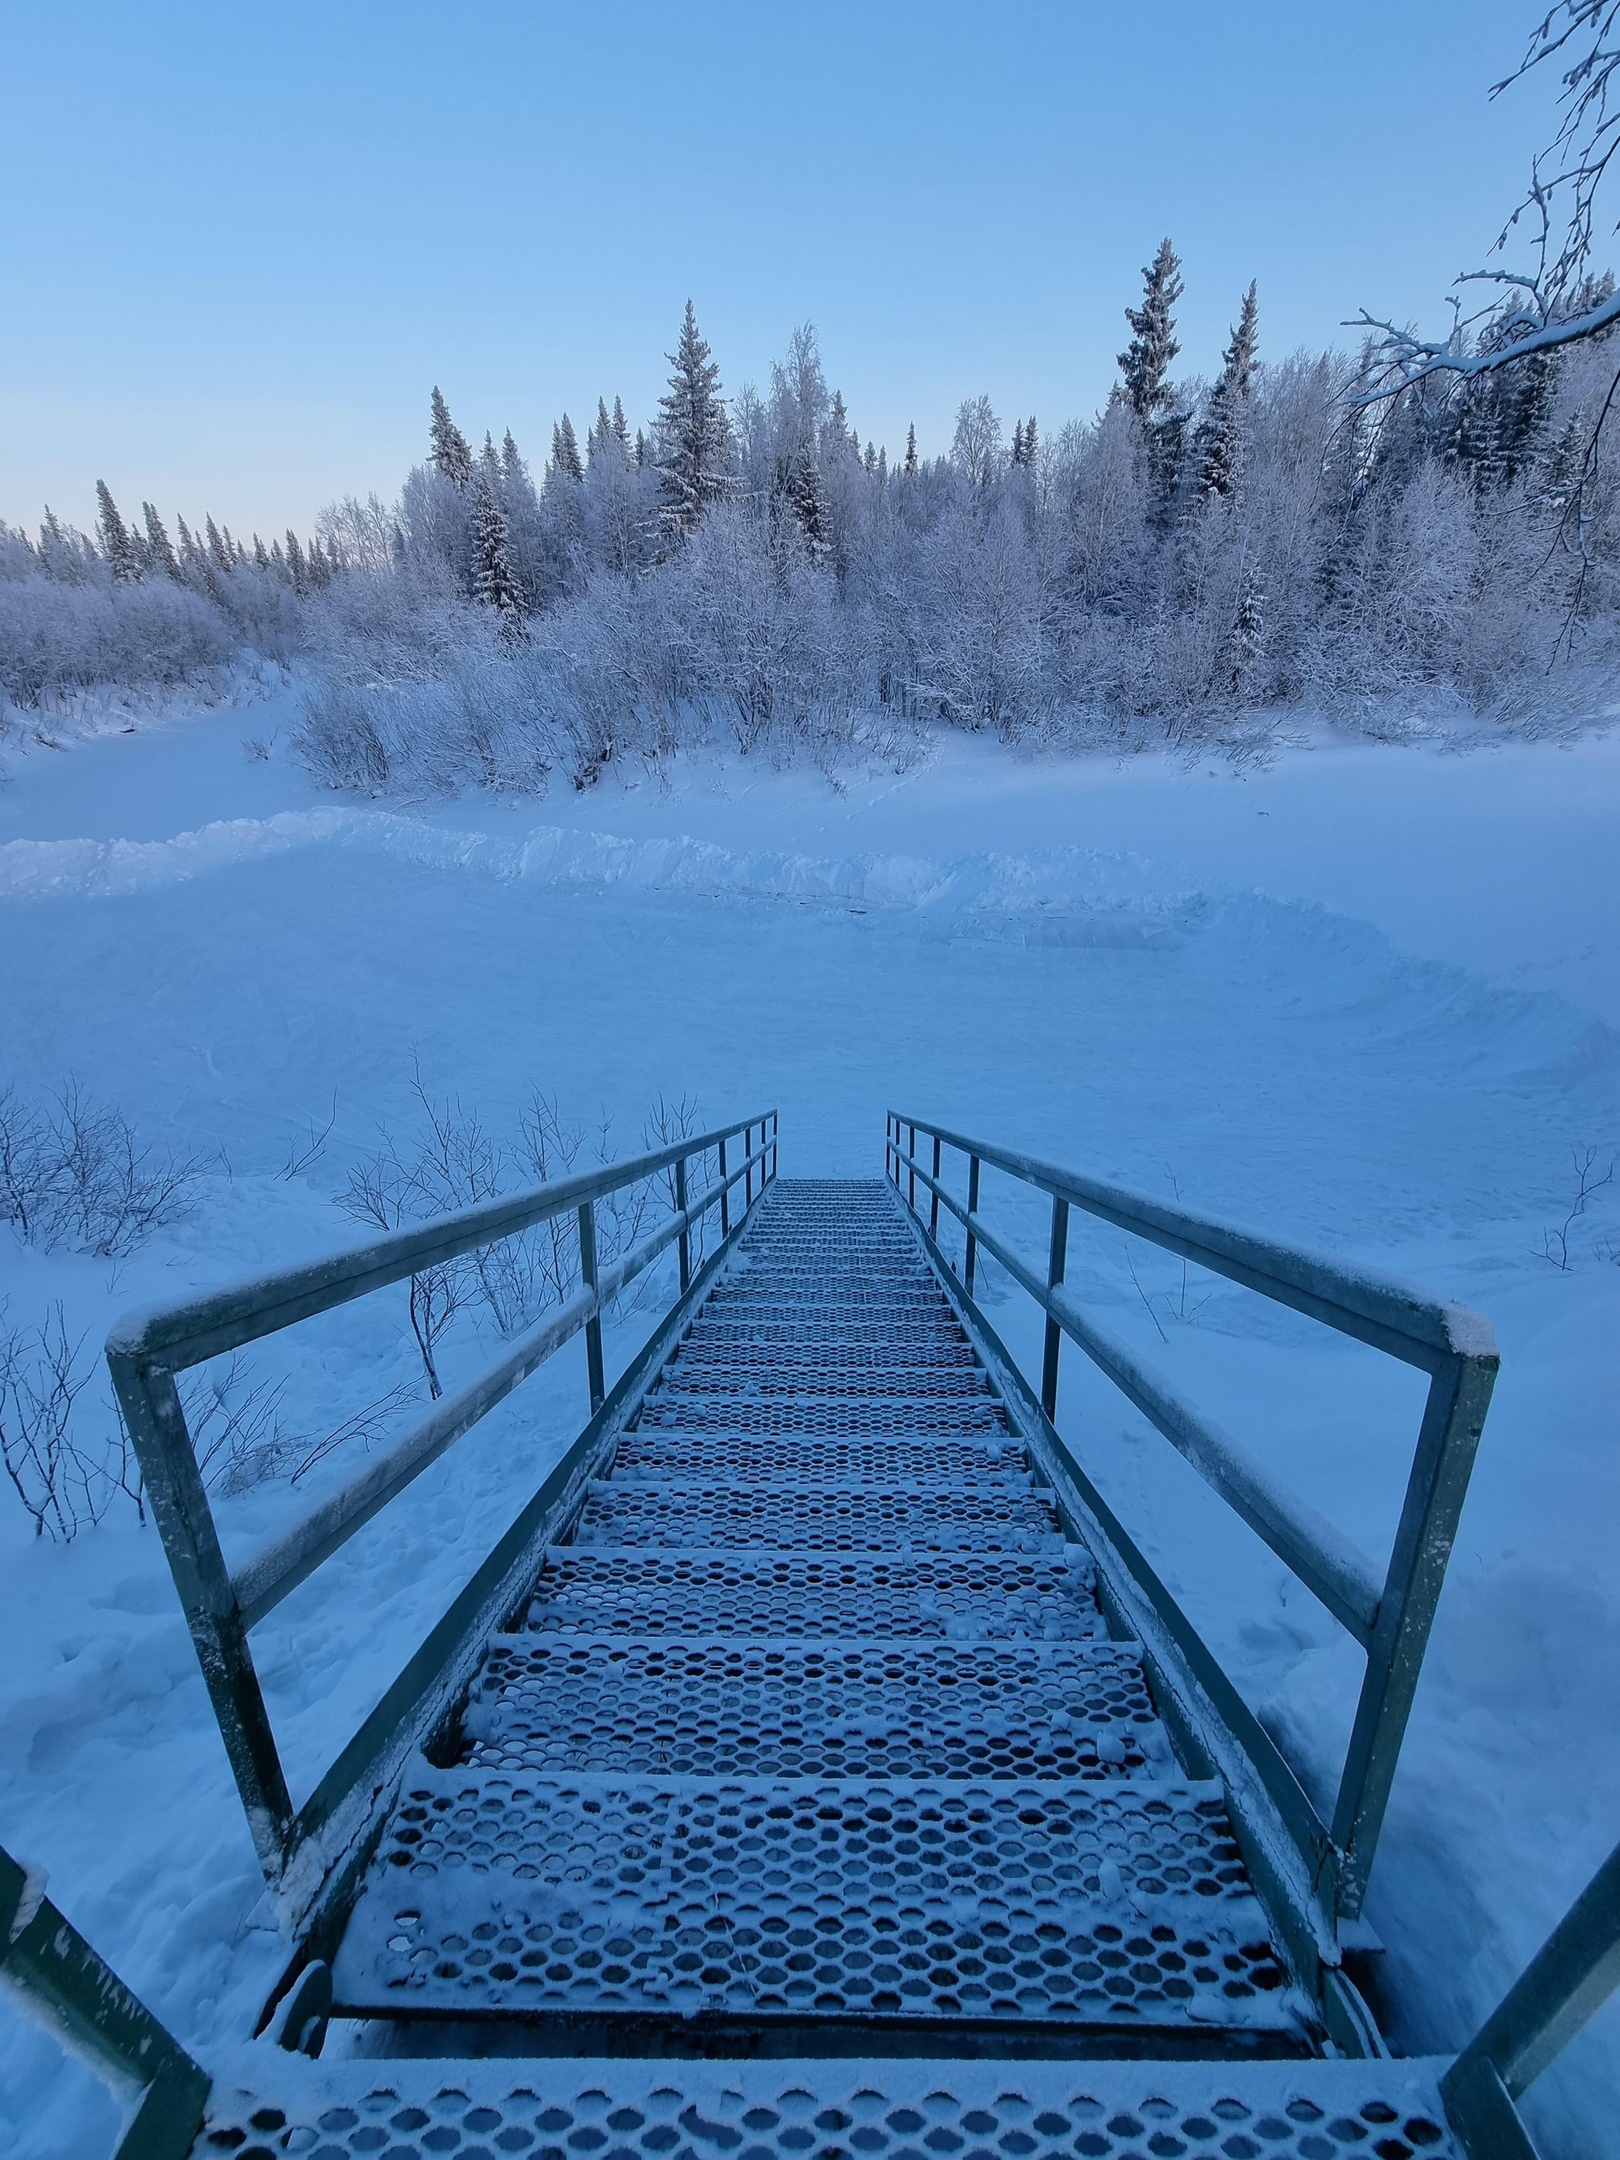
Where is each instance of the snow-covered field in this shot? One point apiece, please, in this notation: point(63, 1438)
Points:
point(1365, 997)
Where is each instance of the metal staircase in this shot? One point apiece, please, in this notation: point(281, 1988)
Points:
point(851, 1764)
point(815, 1771)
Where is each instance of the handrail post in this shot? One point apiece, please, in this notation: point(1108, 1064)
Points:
point(686, 1235)
point(593, 1326)
point(911, 1157)
point(1567, 1981)
point(776, 1133)
point(156, 1420)
point(933, 1210)
point(1057, 1259)
point(725, 1196)
point(970, 1259)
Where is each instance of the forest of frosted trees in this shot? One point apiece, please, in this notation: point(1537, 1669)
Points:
point(1203, 557)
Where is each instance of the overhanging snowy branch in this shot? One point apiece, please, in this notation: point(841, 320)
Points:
point(1560, 302)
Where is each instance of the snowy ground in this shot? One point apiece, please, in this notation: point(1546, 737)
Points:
point(1364, 998)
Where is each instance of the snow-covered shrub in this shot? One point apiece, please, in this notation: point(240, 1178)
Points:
point(76, 1175)
point(65, 1481)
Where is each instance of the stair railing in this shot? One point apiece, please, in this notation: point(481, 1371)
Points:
point(1388, 1611)
point(147, 1349)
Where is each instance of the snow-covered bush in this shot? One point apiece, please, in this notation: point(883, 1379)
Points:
point(65, 1479)
point(76, 1175)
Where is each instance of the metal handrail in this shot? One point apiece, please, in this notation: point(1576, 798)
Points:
point(147, 1348)
point(71, 1990)
point(1568, 1980)
point(1388, 1611)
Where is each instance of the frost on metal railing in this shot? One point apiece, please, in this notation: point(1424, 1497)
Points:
point(147, 1349)
point(1388, 1611)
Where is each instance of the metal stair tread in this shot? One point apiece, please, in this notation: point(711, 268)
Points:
point(738, 1706)
point(1001, 1511)
point(663, 1450)
point(907, 2108)
point(1065, 1904)
point(770, 1592)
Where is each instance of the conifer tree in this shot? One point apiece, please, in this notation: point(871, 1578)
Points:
point(295, 563)
point(1245, 643)
point(451, 451)
point(1018, 442)
point(910, 466)
point(620, 428)
point(221, 555)
point(116, 544)
point(1030, 440)
point(641, 449)
point(1219, 440)
point(159, 547)
point(694, 438)
point(803, 491)
point(511, 459)
point(565, 450)
point(1145, 362)
point(494, 578)
point(261, 556)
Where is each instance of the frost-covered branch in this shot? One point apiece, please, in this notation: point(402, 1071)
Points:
point(1557, 301)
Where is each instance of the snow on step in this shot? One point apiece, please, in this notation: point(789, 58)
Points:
point(898, 2109)
point(1029, 1904)
point(798, 1708)
point(720, 1456)
point(792, 1514)
point(962, 1597)
point(865, 1417)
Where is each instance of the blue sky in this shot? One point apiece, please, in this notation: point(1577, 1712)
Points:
point(241, 243)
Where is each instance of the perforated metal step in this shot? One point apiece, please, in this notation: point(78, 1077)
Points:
point(790, 1709)
point(266, 2102)
point(721, 1458)
point(1035, 1905)
point(857, 1419)
point(708, 1359)
point(962, 1597)
point(994, 1513)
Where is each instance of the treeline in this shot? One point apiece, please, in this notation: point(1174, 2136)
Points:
point(1200, 554)
point(130, 608)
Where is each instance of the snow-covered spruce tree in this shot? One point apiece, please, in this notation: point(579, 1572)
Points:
point(801, 490)
point(451, 452)
point(1217, 445)
point(1246, 641)
point(694, 437)
point(1145, 365)
point(116, 544)
point(221, 556)
point(565, 451)
point(159, 547)
point(492, 558)
point(909, 468)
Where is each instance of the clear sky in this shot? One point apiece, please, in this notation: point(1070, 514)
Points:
point(240, 243)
